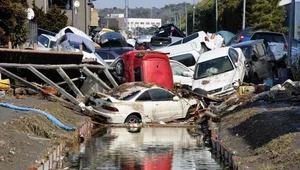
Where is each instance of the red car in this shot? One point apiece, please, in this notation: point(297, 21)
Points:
point(146, 66)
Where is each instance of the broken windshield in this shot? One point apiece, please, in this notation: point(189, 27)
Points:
point(213, 67)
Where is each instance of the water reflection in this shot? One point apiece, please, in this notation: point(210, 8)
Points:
point(148, 149)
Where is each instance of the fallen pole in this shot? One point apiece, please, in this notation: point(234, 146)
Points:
point(53, 67)
point(31, 85)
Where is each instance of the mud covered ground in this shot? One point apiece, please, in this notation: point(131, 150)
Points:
point(26, 138)
point(264, 135)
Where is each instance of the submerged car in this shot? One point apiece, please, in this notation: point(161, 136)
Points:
point(219, 71)
point(138, 102)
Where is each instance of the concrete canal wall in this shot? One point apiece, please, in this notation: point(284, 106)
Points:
point(56, 157)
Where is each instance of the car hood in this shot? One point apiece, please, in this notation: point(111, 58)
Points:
point(215, 81)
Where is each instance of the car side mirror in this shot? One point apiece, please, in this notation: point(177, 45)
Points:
point(175, 98)
point(254, 58)
point(187, 74)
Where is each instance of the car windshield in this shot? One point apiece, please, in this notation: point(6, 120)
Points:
point(213, 67)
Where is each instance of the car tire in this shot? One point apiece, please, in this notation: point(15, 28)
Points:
point(133, 119)
point(119, 67)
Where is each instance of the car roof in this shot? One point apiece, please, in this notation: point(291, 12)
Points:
point(247, 43)
point(213, 54)
point(268, 32)
point(127, 88)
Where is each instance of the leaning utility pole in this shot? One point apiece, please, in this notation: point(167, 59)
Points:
point(186, 20)
point(126, 14)
point(291, 32)
point(244, 14)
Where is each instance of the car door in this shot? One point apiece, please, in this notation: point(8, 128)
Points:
point(238, 59)
point(263, 68)
point(163, 105)
point(146, 101)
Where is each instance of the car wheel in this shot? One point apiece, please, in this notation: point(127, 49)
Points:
point(133, 119)
point(119, 67)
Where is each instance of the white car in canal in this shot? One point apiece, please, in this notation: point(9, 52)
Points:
point(140, 102)
point(218, 71)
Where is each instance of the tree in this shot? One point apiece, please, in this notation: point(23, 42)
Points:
point(299, 30)
point(53, 15)
point(13, 21)
point(268, 15)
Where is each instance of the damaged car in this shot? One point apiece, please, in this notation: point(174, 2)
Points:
point(219, 71)
point(138, 102)
point(199, 41)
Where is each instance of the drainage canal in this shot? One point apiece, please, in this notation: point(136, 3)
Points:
point(148, 148)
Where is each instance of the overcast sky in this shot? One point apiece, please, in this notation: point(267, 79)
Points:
point(137, 3)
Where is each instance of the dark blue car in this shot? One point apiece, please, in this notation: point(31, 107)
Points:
point(244, 35)
point(110, 54)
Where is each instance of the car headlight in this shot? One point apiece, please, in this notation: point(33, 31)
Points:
point(227, 86)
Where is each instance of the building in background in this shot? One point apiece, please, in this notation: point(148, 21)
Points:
point(287, 5)
point(133, 24)
point(82, 17)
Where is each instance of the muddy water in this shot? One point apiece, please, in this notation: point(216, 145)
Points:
point(148, 149)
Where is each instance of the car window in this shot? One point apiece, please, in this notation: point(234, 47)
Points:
point(246, 51)
point(186, 59)
point(43, 40)
point(269, 37)
point(213, 67)
point(144, 97)
point(233, 54)
point(190, 38)
point(105, 55)
point(161, 95)
point(176, 43)
point(260, 49)
point(177, 69)
point(129, 96)
point(52, 44)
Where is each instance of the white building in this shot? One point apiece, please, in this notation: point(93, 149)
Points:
point(133, 23)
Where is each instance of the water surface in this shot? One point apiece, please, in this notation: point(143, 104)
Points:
point(148, 149)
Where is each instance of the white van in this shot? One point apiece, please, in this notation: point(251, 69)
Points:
point(217, 71)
